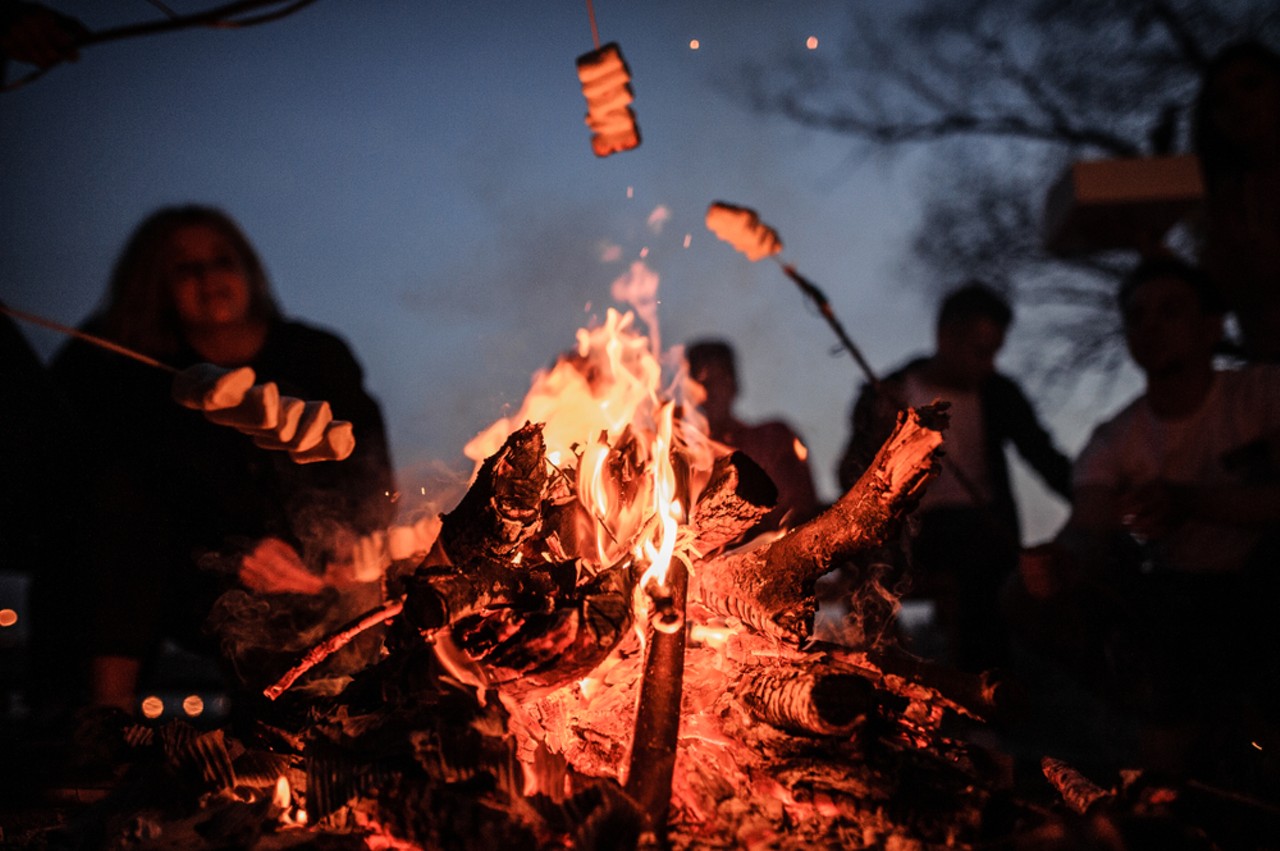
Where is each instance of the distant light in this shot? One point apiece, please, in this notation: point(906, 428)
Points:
point(811, 42)
point(694, 44)
point(152, 707)
point(8, 617)
point(193, 705)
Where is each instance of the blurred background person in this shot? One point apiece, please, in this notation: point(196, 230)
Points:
point(966, 536)
point(772, 444)
point(1158, 592)
point(184, 509)
point(1237, 137)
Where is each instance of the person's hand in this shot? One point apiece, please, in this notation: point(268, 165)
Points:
point(1154, 510)
point(366, 560)
point(274, 567)
point(41, 36)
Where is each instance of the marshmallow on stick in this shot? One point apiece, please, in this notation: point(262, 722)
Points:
point(314, 419)
point(286, 428)
point(258, 410)
point(742, 228)
point(205, 387)
point(336, 444)
point(606, 84)
point(304, 429)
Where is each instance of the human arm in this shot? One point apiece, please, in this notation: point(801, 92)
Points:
point(871, 422)
point(1032, 439)
point(1157, 508)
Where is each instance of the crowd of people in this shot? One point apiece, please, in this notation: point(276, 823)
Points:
point(1154, 594)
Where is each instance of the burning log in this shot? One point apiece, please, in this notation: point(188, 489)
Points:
point(653, 747)
point(1079, 792)
point(807, 700)
point(738, 494)
point(502, 508)
point(771, 588)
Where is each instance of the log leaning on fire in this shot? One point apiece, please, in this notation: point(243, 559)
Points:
point(771, 588)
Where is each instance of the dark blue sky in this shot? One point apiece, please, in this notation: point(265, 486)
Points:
point(417, 176)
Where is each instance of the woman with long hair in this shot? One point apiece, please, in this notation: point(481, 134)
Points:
point(184, 510)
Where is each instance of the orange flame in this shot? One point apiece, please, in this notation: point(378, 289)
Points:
point(610, 407)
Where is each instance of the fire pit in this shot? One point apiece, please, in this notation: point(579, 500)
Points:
point(587, 658)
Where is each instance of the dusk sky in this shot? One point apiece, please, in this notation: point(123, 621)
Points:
point(417, 176)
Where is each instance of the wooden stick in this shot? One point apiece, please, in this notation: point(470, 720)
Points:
point(653, 747)
point(88, 338)
point(333, 644)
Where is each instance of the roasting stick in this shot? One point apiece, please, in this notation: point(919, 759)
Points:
point(88, 338)
point(824, 307)
point(742, 228)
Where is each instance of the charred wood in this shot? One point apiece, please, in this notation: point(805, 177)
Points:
point(807, 700)
point(771, 588)
point(737, 495)
point(653, 747)
point(502, 508)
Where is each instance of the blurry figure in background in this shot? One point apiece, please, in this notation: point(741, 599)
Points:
point(183, 508)
point(774, 445)
point(966, 536)
point(1237, 137)
point(37, 469)
point(1160, 589)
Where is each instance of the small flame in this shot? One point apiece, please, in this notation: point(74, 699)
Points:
point(291, 815)
point(283, 795)
point(802, 451)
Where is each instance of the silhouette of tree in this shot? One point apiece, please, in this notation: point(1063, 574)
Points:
point(1006, 93)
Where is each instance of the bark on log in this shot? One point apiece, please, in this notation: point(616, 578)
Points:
point(653, 747)
point(736, 497)
point(502, 508)
point(1079, 792)
point(808, 701)
point(771, 588)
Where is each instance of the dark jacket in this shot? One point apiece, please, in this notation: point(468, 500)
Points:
point(176, 499)
point(1007, 418)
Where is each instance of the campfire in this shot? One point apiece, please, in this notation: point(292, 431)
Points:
point(589, 655)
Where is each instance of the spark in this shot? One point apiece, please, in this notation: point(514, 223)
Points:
point(694, 44)
point(688, 238)
point(8, 617)
point(811, 42)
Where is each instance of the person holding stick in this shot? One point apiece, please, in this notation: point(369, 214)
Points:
point(967, 540)
point(183, 508)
